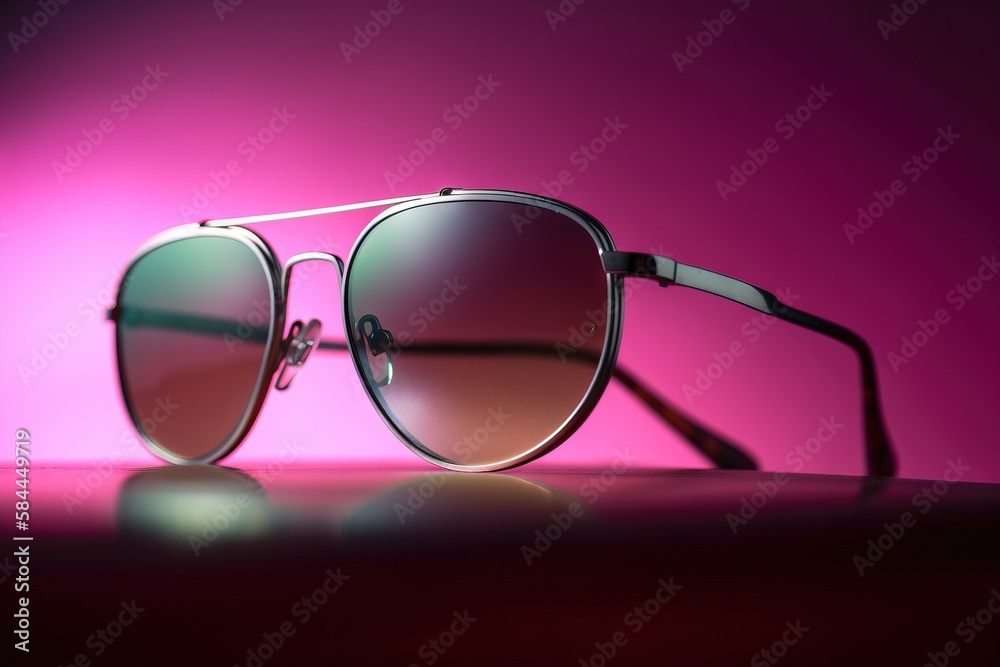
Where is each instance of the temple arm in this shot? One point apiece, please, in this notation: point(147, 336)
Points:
point(713, 446)
point(879, 455)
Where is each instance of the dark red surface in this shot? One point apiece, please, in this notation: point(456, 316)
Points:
point(462, 551)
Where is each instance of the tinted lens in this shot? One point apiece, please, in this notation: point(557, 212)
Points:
point(193, 331)
point(498, 319)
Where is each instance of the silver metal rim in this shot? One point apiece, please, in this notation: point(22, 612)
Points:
point(609, 353)
point(275, 280)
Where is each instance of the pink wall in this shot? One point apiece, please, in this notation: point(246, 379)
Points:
point(67, 232)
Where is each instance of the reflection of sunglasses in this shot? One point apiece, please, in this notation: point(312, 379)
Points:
point(484, 324)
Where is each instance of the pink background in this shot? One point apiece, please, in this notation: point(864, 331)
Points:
point(65, 240)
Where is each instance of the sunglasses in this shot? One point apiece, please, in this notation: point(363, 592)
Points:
point(484, 326)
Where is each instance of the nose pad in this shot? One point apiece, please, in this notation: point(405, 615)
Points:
point(380, 343)
point(301, 341)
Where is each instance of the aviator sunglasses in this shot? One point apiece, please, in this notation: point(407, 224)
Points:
point(484, 326)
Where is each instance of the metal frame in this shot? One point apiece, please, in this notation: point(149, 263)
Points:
point(265, 254)
point(617, 265)
point(609, 352)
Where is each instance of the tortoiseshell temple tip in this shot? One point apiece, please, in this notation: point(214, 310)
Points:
point(733, 459)
point(881, 460)
point(712, 446)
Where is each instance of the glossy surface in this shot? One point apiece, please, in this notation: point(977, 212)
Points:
point(224, 558)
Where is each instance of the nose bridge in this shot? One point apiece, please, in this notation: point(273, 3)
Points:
point(286, 273)
point(301, 339)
